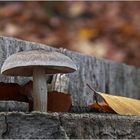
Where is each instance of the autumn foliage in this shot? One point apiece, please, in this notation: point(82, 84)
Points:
point(102, 29)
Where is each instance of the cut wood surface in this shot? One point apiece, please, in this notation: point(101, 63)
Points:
point(104, 75)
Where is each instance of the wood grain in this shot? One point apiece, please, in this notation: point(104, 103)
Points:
point(103, 75)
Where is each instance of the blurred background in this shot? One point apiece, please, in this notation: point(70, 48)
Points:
point(103, 29)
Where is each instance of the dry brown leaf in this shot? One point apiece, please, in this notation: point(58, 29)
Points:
point(102, 106)
point(121, 105)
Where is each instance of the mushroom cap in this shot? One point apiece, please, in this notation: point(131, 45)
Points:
point(23, 63)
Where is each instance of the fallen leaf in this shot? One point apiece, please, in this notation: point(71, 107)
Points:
point(120, 105)
point(102, 106)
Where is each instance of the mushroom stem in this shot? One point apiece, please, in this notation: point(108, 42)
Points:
point(39, 90)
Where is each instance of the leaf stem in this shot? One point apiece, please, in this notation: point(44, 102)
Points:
point(95, 93)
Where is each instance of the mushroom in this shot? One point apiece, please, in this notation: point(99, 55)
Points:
point(37, 63)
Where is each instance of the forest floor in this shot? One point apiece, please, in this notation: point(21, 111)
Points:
point(103, 29)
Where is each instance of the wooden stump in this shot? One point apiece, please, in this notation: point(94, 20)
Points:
point(104, 75)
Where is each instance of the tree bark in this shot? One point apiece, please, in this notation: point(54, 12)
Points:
point(64, 126)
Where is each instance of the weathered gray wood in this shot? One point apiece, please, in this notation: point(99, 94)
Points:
point(100, 126)
point(6, 106)
point(35, 126)
point(62, 126)
point(103, 75)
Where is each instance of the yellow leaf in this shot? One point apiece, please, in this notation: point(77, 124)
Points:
point(87, 33)
point(122, 105)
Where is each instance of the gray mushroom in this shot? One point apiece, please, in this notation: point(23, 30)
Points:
point(37, 63)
